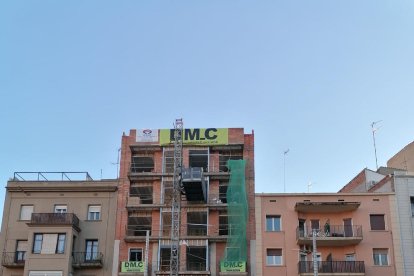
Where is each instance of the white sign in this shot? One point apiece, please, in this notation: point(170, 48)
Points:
point(147, 135)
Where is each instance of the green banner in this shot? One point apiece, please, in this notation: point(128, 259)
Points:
point(197, 136)
point(132, 266)
point(232, 266)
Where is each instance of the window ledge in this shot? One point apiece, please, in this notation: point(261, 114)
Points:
point(93, 220)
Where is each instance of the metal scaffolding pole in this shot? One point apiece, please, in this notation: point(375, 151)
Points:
point(176, 198)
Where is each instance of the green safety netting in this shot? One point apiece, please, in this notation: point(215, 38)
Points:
point(237, 212)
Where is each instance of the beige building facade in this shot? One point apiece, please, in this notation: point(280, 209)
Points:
point(352, 233)
point(59, 227)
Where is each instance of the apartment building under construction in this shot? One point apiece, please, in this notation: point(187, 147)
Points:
point(216, 229)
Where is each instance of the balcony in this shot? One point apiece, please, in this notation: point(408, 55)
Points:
point(48, 219)
point(330, 268)
point(84, 260)
point(14, 259)
point(336, 235)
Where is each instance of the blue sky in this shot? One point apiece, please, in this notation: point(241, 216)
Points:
point(310, 76)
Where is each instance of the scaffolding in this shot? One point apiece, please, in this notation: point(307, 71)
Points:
point(237, 212)
point(176, 200)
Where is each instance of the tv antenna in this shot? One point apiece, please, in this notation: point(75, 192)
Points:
point(284, 169)
point(309, 186)
point(117, 164)
point(374, 130)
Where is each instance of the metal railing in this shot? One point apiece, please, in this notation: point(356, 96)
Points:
point(141, 168)
point(137, 230)
point(16, 258)
point(331, 231)
point(81, 259)
point(196, 230)
point(332, 267)
point(51, 176)
point(55, 219)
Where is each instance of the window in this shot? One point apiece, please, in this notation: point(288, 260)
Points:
point(412, 206)
point(223, 223)
point(380, 256)
point(21, 248)
point(94, 212)
point(196, 258)
point(196, 223)
point(274, 257)
point(377, 222)
point(60, 249)
point(273, 223)
point(350, 257)
point(142, 194)
point(135, 254)
point(198, 159)
point(138, 226)
point(142, 163)
point(37, 244)
point(26, 212)
point(61, 209)
point(49, 243)
point(91, 252)
point(223, 186)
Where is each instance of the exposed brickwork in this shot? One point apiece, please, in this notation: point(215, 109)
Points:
point(236, 137)
point(355, 182)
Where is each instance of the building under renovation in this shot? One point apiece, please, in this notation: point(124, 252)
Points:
point(206, 226)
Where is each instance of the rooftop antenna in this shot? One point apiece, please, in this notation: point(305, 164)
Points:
point(117, 164)
point(284, 169)
point(374, 129)
point(309, 186)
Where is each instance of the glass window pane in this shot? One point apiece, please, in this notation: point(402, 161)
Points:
point(61, 244)
point(384, 259)
point(135, 254)
point(37, 245)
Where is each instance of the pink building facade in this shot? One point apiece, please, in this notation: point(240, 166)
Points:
point(352, 233)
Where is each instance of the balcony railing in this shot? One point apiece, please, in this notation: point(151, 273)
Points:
point(332, 235)
point(14, 259)
point(332, 267)
point(54, 219)
point(87, 259)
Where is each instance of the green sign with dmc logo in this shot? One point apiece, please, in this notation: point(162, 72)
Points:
point(132, 266)
point(232, 266)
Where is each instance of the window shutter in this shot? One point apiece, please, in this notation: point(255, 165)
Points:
point(377, 222)
point(49, 244)
point(274, 252)
point(95, 209)
point(26, 212)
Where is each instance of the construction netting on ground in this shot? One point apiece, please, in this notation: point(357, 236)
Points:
point(236, 248)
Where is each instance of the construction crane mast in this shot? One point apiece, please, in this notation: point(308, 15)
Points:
point(176, 198)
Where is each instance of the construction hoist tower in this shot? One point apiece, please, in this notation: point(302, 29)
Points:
point(176, 198)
